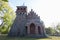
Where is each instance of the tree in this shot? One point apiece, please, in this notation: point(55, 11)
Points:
point(5, 0)
point(50, 31)
point(58, 27)
point(7, 14)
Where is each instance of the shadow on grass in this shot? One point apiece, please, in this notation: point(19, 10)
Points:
point(4, 37)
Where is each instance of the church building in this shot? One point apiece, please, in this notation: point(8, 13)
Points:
point(27, 24)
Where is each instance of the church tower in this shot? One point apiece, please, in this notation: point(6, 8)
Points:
point(21, 14)
point(18, 27)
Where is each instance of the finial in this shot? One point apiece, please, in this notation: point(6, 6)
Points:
point(23, 4)
point(31, 9)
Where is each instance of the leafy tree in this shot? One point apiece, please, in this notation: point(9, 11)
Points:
point(5, 0)
point(7, 15)
point(50, 31)
point(58, 27)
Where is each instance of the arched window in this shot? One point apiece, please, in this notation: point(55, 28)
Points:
point(24, 8)
point(39, 30)
point(21, 8)
point(18, 9)
point(26, 29)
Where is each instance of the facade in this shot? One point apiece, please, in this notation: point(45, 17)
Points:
point(27, 24)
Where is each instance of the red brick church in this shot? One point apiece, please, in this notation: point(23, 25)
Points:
point(27, 24)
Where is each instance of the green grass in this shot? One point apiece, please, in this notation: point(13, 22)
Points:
point(24, 38)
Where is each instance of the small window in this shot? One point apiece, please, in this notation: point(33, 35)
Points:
point(24, 8)
point(21, 8)
point(18, 9)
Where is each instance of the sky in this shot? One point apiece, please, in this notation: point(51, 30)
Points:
point(48, 10)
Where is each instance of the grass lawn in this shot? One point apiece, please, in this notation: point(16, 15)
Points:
point(18, 38)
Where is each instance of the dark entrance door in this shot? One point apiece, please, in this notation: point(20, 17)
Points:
point(32, 29)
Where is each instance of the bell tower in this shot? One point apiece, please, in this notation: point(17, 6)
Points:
point(18, 27)
point(21, 10)
point(21, 15)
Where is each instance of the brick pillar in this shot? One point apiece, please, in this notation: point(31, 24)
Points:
point(41, 31)
point(28, 30)
point(36, 29)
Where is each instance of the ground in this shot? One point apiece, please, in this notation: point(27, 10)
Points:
point(24, 38)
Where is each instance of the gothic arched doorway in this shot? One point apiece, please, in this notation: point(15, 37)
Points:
point(32, 28)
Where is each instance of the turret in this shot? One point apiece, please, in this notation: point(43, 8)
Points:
point(21, 10)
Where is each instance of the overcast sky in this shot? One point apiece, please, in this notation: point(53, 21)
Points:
point(48, 10)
